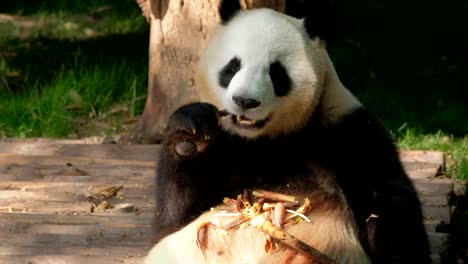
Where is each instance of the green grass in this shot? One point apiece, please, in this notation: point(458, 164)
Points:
point(71, 68)
point(50, 110)
point(72, 19)
point(423, 115)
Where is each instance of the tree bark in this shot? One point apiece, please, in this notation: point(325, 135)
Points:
point(179, 31)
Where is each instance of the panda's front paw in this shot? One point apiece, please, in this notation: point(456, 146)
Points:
point(192, 128)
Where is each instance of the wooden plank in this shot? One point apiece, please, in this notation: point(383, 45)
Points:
point(95, 236)
point(434, 200)
point(70, 191)
point(422, 156)
point(87, 140)
point(39, 254)
point(63, 198)
point(127, 196)
point(141, 152)
point(418, 164)
point(8, 159)
point(45, 238)
point(74, 169)
point(140, 206)
point(422, 164)
point(437, 201)
point(86, 188)
point(101, 258)
point(31, 165)
point(419, 171)
point(436, 226)
point(85, 219)
point(436, 187)
point(111, 176)
point(66, 207)
point(441, 213)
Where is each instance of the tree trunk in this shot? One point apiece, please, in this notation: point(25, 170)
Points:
point(179, 33)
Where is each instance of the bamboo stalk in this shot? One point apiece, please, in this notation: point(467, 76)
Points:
point(279, 197)
point(284, 237)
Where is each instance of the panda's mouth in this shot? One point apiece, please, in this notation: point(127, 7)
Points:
point(245, 122)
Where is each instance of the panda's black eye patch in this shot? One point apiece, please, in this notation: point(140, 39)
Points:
point(228, 72)
point(280, 79)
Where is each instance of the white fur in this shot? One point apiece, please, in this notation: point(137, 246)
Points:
point(331, 233)
point(258, 38)
point(336, 99)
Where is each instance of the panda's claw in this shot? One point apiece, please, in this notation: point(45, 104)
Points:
point(197, 123)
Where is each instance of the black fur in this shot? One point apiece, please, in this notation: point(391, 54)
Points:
point(280, 79)
point(321, 19)
point(184, 189)
point(228, 9)
point(373, 181)
point(358, 149)
point(295, 8)
point(229, 70)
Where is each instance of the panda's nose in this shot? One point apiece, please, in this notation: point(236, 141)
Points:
point(245, 103)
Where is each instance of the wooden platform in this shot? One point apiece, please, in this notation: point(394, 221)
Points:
point(55, 199)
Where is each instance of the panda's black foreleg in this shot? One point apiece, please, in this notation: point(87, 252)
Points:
point(397, 234)
point(187, 168)
point(383, 199)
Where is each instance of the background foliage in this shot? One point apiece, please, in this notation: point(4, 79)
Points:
point(71, 68)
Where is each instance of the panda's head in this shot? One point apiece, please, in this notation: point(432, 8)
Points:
point(266, 69)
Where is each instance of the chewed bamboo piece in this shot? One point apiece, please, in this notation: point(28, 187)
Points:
point(279, 197)
point(276, 232)
point(269, 213)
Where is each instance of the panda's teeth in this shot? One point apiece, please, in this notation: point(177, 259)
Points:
point(241, 120)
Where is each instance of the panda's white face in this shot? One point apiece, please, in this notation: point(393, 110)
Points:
point(263, 69)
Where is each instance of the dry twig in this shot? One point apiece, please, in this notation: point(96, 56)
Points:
point(276, 232)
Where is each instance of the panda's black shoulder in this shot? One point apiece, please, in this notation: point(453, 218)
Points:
point(361, 124)
point(359, 138)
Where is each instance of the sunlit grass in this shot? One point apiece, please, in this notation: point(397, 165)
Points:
point(51, 110)
point(63, 24)
point(67, 64)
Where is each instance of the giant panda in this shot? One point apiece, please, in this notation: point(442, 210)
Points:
point(275, 116)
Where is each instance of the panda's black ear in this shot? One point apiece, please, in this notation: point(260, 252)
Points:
point(320, 20)
point(227, 9)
